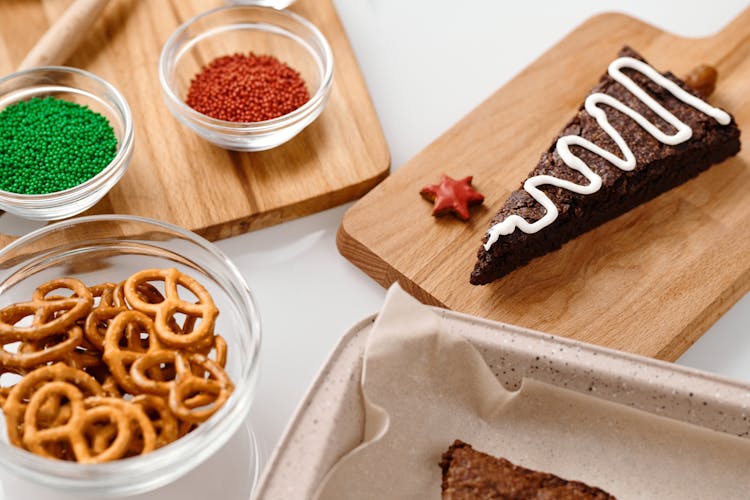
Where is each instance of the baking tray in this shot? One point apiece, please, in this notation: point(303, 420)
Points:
point(330, 420)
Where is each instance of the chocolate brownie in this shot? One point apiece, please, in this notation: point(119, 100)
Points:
point(659, 167)
point(470, 475)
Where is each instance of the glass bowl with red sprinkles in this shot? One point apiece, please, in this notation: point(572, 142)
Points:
point(246, 78)
point(66, 139)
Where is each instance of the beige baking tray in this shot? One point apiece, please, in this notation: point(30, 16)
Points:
point(329, 421)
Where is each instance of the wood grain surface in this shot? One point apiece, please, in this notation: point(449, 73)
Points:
point(178, 177)
point(649, 282)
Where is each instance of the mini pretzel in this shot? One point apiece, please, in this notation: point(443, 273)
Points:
point(151, 295)
point(50, 314)
point(189, 389)
point(34, 438)
point(105, 292)
point(129, 345)
point(151, 378)
point(31, 356)
point(187, 386)
point(53, 348)
point(217, 345)
point(156, 409)
point(102, 312)
point(53, 411)
point(120, 359)
point(146, 291)
point(97, 322)
point(220, 345)
point(146, 363)
point(86, 420)
point(163, 312)
point(15, 405)
point(145, 432)
point(80, 291)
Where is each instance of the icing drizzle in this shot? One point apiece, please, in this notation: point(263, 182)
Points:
point(627, 163)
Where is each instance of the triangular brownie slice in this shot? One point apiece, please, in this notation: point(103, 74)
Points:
point(679, 136)
point(469, 474)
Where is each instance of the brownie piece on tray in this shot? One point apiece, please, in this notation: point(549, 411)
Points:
point(622, 164)
point(469, 475)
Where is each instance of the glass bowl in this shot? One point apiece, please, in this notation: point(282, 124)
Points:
point(242, 29)
point(111, 248)
point(82, 88)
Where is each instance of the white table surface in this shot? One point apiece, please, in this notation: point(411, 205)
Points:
point(427, 63)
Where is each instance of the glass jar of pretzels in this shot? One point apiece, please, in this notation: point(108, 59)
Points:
point(129, 354)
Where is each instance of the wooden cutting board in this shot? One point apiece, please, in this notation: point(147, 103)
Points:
point(650, 282)
point(178, 177)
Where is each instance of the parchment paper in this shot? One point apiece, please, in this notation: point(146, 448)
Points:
point(424, 387)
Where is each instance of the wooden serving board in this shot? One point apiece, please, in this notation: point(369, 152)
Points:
point(650, 282)
point(178, 177)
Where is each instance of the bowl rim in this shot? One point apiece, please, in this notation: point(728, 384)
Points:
point(261, 126)
point(76, 477)
point(124, 146)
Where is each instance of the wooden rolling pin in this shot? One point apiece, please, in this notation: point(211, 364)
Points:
point(64, 36)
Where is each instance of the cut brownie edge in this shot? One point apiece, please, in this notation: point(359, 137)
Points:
point(470, 474)
point(499, 261)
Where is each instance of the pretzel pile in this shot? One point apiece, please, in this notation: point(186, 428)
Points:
point(113, 370)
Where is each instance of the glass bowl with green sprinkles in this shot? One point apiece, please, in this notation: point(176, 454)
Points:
point(66, 138)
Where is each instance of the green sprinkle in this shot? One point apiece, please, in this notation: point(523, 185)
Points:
point(49, 145)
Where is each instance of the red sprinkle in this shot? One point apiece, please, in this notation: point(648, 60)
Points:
point(246, 88)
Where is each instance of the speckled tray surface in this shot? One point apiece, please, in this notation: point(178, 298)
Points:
point(330, 420)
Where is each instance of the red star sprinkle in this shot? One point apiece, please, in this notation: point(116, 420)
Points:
point(452, 195)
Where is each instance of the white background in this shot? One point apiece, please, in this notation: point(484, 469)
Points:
point(426, 63)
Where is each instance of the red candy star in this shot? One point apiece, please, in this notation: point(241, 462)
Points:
point(452, 195)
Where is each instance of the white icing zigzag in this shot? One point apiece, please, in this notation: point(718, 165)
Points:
point(683, 134)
